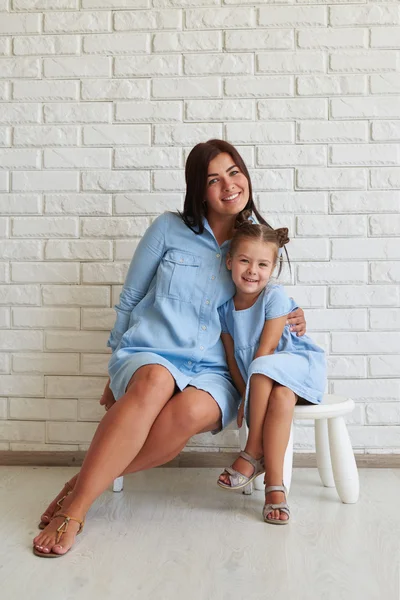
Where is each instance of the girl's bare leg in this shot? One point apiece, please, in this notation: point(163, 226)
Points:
point(277, 426)
point(260, 390)
point(188, 413)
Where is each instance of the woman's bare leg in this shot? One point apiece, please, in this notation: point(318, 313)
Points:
point(277, 426)
point(260, 390)
point(189, 412)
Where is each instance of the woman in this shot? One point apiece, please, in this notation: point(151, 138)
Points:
point(168, 371)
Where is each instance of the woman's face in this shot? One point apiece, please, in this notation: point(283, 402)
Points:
point(227, 191)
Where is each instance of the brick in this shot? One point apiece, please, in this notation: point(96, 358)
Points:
point(4, 318)
point(219, 18)
point(291, 155)
point(104, 273)
point(291, 62)
point(79, 158)
point(60, 318)
point(368, 389)
point(383, 131)
point(202, 110)
point(387, 342)
point(115, 89)
point(379, 318)
point(152, 20)
point(260, 133)
point(293, 202)
point(147, 158)
point(331, 85)
point(98, 318)
point(20, 113)
point(188, 41)
point(25, 181)
point(184, 3)
point(19, 159)
point(346, 366)
point(82, 66)
point(77, 22)
point(84, 112)
point(75, 387)
point(44, 273)
point(124, 249)
point(272, 179)
point(70, 432)
point(5, 362)
point(151, 65)
point(186, 87)
point(365, 202)
point(46, 363)
point(258, 87)
point(78, 204)
point(364, 154)
point(307, 296)
point(45, 136)
point(296, 108)
point(5, 136)
point(385, 413)
point(185, 134)
point(45, 227)
point(5, 46)
point(78, 250)
point(385, 37)
point(253, 39)
point(92, 341)
point(22, 431)
point(332, 38)
point(61, 295)
point(114, 227)
point(116, 181)
point(308, 249)
point(20, 340)
point(90, 410)
point(14, 23)
point(19, 295)
point(4, 227)
point(19, 67)
point(292, 16)
point(337, 319)
point(218, 64)
point(168, 181)
point(385, 83)
point(5, 88)
point(385, 178)
point(43, 409)
point(95, 364)
point(4, 272)
point(365, 108)
point(132, 204)
point(4, 182)
point(384, 225)
point(150, 112)
point(331, 178)
point(14, 204)
point(363, 62)
point(116, 43)
point(385, 272)
point(371, 295)
point(17, 447)
point(115, 4)
point(46, 45)
point(327, 273)
point(331, 131)
point(365, 15)
point(366, 249)
point(46, 90)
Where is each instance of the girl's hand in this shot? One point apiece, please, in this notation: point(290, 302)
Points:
point(240, 414)
point(297, 322)
point(107, 398)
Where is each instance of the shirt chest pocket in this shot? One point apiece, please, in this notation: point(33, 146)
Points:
point(177, 275)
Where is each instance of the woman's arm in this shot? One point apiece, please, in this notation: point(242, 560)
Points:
point(270, 336)
point(238, 380)
point(141, 271)
point(297, 321)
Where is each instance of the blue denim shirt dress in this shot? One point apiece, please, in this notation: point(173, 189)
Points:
point(168, 312)
point(297, 363)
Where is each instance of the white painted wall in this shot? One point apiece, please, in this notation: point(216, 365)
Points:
point(100, 101)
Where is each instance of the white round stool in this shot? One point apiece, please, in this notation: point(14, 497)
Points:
point(335, 458)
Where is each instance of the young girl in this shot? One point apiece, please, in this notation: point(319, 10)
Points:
point(280, 368)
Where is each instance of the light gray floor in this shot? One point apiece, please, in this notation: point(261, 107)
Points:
point(173, 534)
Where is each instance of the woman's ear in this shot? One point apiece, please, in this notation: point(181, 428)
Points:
point(229, 262)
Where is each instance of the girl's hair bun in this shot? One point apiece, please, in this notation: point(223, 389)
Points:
point(283, 236)
point(243, 218)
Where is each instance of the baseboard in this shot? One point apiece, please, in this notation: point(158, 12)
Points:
point(185, 459)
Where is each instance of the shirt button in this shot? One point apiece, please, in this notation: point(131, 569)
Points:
point(218, 255)
point(207, 302)
point(190, 362)
point(181, 260)
point(201, 347)
point(212, 276)
point(203, 327)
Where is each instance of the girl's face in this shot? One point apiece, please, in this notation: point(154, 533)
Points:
point(227, 191)
point(252, 265)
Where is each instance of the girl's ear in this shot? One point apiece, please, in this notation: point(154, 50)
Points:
point(229, 262)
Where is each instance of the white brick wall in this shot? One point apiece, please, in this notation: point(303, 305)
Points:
point(100, 102)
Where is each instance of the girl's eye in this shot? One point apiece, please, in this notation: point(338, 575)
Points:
point(244, 260)
point(263, 265)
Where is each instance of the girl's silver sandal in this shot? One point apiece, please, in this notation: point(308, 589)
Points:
point(281, 506)
point(237, 479)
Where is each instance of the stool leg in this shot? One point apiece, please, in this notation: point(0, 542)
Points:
point(288, 462)
point(243, 432)
point(118, 484)
point(323, 453)
point(344, 464)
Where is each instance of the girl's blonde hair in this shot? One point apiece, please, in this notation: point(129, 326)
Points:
point(246, 229)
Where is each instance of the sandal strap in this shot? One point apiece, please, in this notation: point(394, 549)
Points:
point(253, 461)
point(275, 488)
point(63, 528)
point(239, 476)
point(281, 506)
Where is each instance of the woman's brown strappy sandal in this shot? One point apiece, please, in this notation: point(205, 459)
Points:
point(60, 531)
point(59, 502)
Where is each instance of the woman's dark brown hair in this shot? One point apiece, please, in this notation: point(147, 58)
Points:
point(196, 171)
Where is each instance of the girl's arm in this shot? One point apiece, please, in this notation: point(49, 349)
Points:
point(141, 271)
point(271, 334)
point(238, 380)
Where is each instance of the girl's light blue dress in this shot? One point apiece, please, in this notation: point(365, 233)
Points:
point(168, 312)
point(297, 362)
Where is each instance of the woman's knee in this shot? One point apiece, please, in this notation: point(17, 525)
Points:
point(152, 380)
point(195, 412)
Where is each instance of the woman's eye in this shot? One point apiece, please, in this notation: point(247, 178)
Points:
point(234, 172)
point(212, 181)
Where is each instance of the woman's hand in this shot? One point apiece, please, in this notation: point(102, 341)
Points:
point(240, 414)
point(107, 398)
point(297, 322)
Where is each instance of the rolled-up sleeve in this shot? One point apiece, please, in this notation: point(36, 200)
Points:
point(141, 271)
